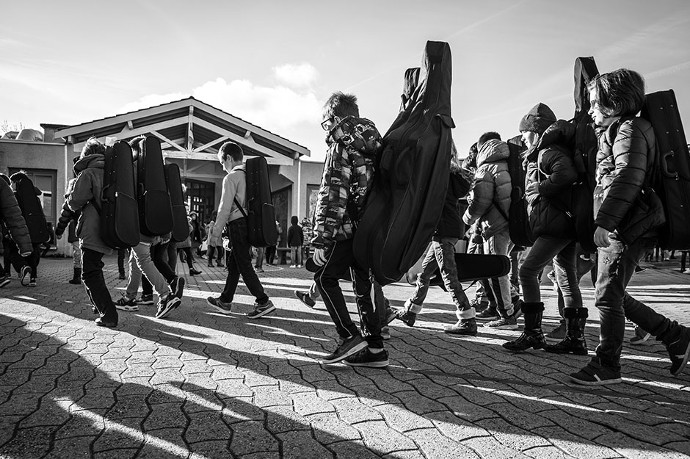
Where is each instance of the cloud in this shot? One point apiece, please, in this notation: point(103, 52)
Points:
point(296, 75)
point(151, 100)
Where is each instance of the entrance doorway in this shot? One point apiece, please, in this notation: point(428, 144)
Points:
point(200, 197)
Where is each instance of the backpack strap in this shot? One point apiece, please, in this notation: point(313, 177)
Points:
point(237, 203)
point(500, 211)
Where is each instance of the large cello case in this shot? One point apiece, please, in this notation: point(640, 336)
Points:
point(180, 230)
point(155, 211)
point(119, 211)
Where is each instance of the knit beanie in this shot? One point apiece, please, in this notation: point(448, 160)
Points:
point(537, 119)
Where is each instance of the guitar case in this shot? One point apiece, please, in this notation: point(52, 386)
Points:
point(404, 204)
point(180, 230)
point(260, 213)
point(470, 266)
point(32, 210)
point(119, 211)
point(155, 211)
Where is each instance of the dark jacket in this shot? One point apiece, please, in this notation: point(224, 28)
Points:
point(550, 164)
point(450, 224)
point(12, 219)
point(88, 189)
point(348, 174)
point(627, 150)
point(68, 218)
point(295, 236)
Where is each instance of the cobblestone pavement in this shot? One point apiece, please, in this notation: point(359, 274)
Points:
point(201, 384)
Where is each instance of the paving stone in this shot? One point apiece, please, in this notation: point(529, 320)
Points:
point(208, 449)
point(165, 416)
point(329, 428)
point(352, 449)
point(353, 411)
point(163, 443)
point(575, 425)
point(267, 396)
point(309, 403)
point(284, 419)
point(574, 445)
point(379, 437)
point(206, 426)
point(490, 448)
point(402, 420)
point(28, 443)
point(72, 447)
point(252, 437)
point(129, 406)
point(455, 427)
point(465, 409)
point(240, 409)
point(301, 445)
point(511, 435)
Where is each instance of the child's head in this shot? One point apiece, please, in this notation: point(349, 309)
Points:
point(339, 106)
point(491, 135)
point(135, 145)
point(294, 220)
point(618, 93)
point(230, 150)
point(535, 122)
point(93, 146)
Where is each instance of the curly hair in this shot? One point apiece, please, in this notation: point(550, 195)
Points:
point(93, 146)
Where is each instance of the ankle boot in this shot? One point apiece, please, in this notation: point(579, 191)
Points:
point(532, 336)
point(76, 279)
point(574, 340)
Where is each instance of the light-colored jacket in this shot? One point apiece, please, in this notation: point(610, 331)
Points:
point(234, 186)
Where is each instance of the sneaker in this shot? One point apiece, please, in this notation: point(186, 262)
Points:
point(407, 317)
point(259, 270)
point(504, 323)
point(488, 313)
point(679, 351)
point(4, 280)
point(220, 265)
point(293, 266)
point(24, 275)
point(177, 286)
point(641, 338)
point(300, 266)
point(194, 272)
point(595, 374)
point(261, 310)
point(305, 298)
point(32, 282)
point(126, 304)
point(145, 300)
point(220, 306)
point(467, 327)
point(166, 305)
point(479, 306)
point(102, 322)
point(366, 358)
point(122, 276)
point(347, 348)
point(385, 333)
point(557, 334)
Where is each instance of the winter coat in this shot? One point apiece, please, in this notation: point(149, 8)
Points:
point(627, 150)
point(450, 223)
point(87, 191)
point(348, 174)
point(295, 236)
point(550, 164)
point(31, 207)
point(12, 218)
point(491, 188)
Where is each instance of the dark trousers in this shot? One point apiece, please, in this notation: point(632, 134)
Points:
point(339, 260)
point(159, 255)
point(216, 251)
point(121, 255)
point(94, 282)
point(615, 267)
point(271, 254)
point(188, 255)
point(240, 264)
point(18, 262)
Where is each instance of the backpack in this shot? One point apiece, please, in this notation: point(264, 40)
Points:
point(404, 204)
point(670, 177)
point(119, 212)
point(31, 208)
point(180, 230)
point(155, 211)
point(260, 213)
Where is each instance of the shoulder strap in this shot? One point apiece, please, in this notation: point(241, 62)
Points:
point(237, 203)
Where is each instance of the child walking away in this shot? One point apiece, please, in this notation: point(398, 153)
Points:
point(626, 220)
point(239, 262)
point(86, 197)
point(68, 220)
point(13, 225)
point(441, 254)
point(295, 242)
point(348, 174)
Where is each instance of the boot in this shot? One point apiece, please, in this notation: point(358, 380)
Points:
point(532, 336)
point(574, 340)
point(76, 279)
point(193, 272)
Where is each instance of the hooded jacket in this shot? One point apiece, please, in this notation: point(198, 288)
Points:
point(550, 165)
point(11, 217)
point(347, 176)
point(627, 150)
point(491, 188)
point(68, 218)
point(87, 191)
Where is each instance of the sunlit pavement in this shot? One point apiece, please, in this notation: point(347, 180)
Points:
point(202, 384)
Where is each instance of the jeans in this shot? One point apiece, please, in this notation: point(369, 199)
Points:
point(240, 263)
point(140, 260)
point(338, 261)
point(76, 255)
point(259, 257)
point(94, 282)
point(500, 244)
point(442, 254)
point(583, 266)
point(158, 253)
point(296, 254)
point(563, 252)
point(615, 267)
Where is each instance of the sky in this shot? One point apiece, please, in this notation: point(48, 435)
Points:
point(274, 63)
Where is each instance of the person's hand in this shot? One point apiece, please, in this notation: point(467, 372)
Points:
point(58, 236)
point(319, 257)
point(601, 237)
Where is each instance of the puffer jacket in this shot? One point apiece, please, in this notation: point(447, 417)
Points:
point(347, 176)
point(491, 188)
point(88, 190)
point(627, 150)
point(551, 165)
point(12, 218)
